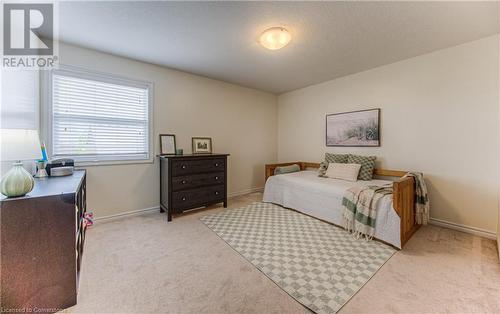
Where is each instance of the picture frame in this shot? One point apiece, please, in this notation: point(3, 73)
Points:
point(167, 144)
point(201, 145)
point(353, 129)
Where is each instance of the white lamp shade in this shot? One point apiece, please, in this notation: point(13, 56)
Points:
point(19, 144)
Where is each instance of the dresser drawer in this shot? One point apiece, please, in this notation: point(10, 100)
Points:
point(197, 180)
point(183, 167)
point(197, 197)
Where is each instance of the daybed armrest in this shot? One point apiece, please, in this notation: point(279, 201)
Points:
point(270, 167)
point(404, 194)
point(403, 189)
point(404, 204)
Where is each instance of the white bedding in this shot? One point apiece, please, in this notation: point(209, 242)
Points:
point(320, 197)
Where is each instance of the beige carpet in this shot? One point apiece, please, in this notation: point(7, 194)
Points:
point(141, 264)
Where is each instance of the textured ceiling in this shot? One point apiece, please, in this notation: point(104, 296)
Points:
point(219, 39)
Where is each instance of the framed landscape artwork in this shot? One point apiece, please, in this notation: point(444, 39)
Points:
point(202, 145)
point(354, 129)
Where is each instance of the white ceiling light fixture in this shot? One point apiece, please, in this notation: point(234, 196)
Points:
point(275, 38)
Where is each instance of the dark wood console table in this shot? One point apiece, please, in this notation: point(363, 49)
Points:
point(42, 238)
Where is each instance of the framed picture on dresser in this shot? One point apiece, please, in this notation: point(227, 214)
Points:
point(202, 145)
point(167, 144)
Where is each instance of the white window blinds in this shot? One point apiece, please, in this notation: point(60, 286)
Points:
point(99, 119)
point(19, 105)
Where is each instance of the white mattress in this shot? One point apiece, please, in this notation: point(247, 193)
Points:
point(320, 197)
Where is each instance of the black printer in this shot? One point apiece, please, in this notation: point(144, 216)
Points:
point(60, 167)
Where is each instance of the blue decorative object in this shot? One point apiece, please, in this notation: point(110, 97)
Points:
point(44, 152)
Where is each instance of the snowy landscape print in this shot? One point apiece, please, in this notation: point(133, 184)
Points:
point(358, 128)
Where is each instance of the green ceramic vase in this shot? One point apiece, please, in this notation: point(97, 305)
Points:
point(17, 181)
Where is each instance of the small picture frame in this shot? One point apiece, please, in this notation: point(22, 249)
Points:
point(202, 145)
point(167, 144)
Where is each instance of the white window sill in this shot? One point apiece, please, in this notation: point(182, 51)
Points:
point(84, 164)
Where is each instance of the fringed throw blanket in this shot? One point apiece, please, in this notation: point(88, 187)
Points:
point(360, 208)
point(359, 205)
point(421, 198)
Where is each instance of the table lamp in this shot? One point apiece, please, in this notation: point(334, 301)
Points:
point(17, 145)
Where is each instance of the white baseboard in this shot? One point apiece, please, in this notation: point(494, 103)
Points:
point(472, 230)
point(129, 213)
point(243, 192)
point(140, 211)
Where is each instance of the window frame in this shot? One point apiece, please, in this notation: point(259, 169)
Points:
point(47, 113)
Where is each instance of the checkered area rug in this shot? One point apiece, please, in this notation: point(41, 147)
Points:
point(318, 264)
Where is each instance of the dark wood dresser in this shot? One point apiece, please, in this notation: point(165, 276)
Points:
point(42, 237)
point(192, 181)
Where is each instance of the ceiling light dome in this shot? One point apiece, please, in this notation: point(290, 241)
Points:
point(275, 38)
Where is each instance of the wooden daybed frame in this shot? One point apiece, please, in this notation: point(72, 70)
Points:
point(403, 200)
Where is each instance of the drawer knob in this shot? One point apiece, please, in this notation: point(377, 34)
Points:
point(216, 164)
point(184, 198)
point(216, 178)
point(183, 166)
point(216, 193)
point(183, 182)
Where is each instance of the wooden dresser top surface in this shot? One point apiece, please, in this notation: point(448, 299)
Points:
point(52, 186)
point(193, 156)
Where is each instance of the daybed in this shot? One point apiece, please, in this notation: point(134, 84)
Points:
point(321, 198)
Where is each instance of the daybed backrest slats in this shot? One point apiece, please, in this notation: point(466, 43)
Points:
point(305, 165)
point(389, 173)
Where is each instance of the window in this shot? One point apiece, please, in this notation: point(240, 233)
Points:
point(19, 105)
point(98, 118)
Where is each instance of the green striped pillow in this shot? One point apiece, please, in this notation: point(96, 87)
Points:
point(367, 165)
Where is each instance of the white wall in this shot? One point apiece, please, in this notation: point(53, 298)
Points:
point(498, 225)
point(241, 121)
point(439, 115)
